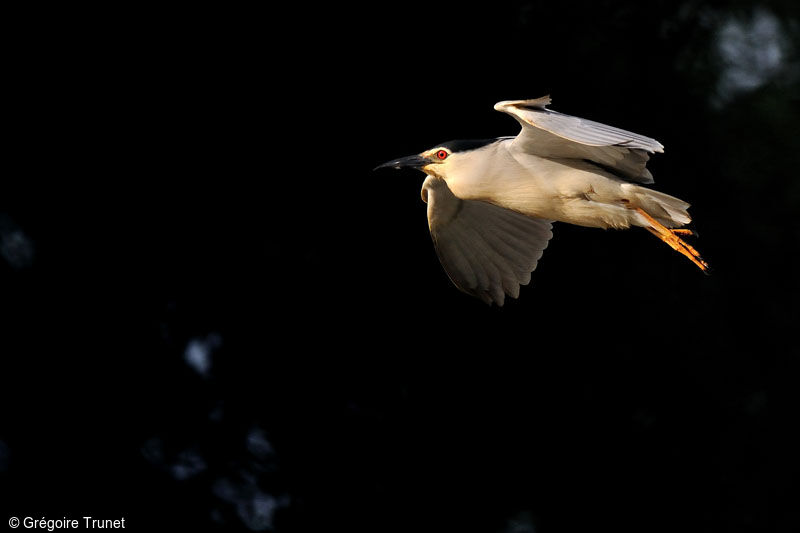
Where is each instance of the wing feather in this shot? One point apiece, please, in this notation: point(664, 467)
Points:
point(456, 261)
point(505, 259)
point(552, 134)
point(486, 250)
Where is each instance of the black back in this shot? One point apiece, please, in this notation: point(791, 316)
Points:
point(461, 145)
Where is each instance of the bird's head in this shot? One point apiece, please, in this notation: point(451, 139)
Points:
point(439, 160)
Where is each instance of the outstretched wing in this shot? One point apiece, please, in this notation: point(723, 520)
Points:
point(487, 251)
point(552, 134)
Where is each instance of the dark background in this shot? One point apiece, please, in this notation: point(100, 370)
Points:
point(215, 315)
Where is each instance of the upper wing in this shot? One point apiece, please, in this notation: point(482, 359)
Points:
point(487, 251)
point(552, 134)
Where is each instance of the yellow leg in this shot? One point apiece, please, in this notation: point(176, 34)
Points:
point(670, 236)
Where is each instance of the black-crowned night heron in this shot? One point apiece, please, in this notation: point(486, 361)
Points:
point(491, 203)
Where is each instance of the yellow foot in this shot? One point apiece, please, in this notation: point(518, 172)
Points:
point(670, 236)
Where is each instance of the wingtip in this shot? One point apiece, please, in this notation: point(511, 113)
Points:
point(544, 100)
point(539, 103)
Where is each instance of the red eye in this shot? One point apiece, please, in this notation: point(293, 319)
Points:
point(441, 154)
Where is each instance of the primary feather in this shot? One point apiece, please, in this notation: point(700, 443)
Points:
point(555, 135)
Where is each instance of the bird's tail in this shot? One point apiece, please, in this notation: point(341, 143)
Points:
point(671, 212)
point(657, 213)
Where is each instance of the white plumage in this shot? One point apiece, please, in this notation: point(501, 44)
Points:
point(486, 250)
point(491, 203)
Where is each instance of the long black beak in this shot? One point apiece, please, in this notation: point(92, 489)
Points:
point(412, 161)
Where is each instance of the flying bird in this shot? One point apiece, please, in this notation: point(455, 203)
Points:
point(491, 203)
